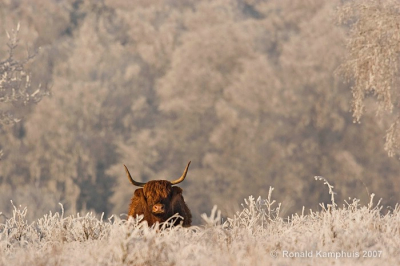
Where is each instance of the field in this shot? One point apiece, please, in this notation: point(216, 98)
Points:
point(255, 93)
point(347, 235)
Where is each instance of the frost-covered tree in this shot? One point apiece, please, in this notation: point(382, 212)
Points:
point(244, 89)
point(372, 63)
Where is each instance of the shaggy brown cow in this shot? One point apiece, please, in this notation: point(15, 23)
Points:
point(158, 200)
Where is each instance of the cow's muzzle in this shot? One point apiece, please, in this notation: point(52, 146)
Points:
point(158, 208)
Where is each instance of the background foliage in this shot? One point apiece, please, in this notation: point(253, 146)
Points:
point(246, 90)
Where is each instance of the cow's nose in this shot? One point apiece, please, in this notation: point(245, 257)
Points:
point(158, 208)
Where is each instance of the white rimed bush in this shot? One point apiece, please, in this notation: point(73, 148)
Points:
point(255, 236)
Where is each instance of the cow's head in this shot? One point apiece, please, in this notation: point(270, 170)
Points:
point(158, 200)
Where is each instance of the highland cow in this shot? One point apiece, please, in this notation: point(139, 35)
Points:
point(158, 200)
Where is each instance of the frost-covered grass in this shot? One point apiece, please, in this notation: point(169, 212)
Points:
point(255, 236)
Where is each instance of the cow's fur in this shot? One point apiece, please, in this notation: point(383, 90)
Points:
point(160, 192)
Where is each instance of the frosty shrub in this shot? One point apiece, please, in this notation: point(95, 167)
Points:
point(257, 235)
point(256, 214)
point(15, 83)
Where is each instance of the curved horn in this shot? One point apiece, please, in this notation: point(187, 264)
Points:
point(182, 177)
point(138, 184)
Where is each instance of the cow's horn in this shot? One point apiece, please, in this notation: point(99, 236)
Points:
point(182, 177)
point(138, 184)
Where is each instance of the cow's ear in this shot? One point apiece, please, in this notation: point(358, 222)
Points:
point(139, 193)
point(176, 191)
